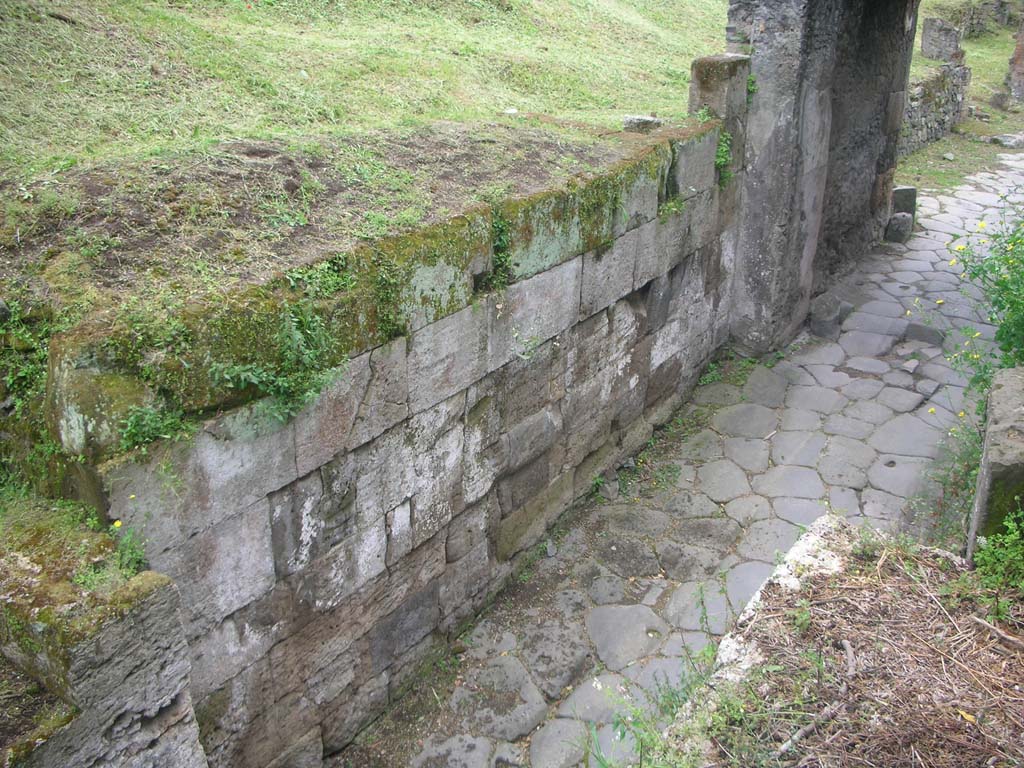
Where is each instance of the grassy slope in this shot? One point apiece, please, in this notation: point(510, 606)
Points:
point(988, 57)
point(135, 76)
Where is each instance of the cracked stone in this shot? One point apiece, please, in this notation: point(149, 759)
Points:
point(873, 413)
point(689, 505)
point(751, 455)
point(875, 324)
point(723, 481)
point(767, 537)
point(746, 420)
point(800, 448)
point(748, 509)
point(800, 482)
point(828, 376)
point(821, 354)
point(635, 519)
point(624, 633)
point(817, 399)
point(499, 700)
point(704, 446)
point(657, 674)
point(617, 748)
point(908, 436)
point(555, 653)
point(862, 389)
point(799, 511)
point(882, 505)
point(844, 501)
point(898, 379)
point(867, 365)
point(694, 603)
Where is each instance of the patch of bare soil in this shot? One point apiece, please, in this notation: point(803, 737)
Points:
point(22, 703)
point(888, 664)
point(244, 211)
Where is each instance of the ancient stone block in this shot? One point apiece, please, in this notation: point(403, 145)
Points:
point(1001, 472)
point(469, 529)
point(524, 526)
point(904, 200)
point(544, 230)
point(447, 356)
point(608, 274)
point(413, 620)
point(344, 717)
point(900, 228)
point(940, 40)
point(346, 566)
point(693, 169)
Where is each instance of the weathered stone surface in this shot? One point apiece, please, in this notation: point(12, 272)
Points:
point(940, 40)
point(696, 604)
point(745, 579)
point(556, 653)
point(624, 633)
point(897, 475)
point(704, 446)
point(904, 200)
point(558, 743)
point(764, 539)
point(751, 455)
point(866, 344)
point(898, 399)
point(463, 751)
point(765, 387)
point(748, 509)
point(745, 420)
point(594, 700)
point(688, 562)
point(798, 511)
point(499, 700)
point(900, 228)
point(799, 482)
point(817, 399)
point(722, 481)
point(906, 435)
point(799, 448)
point(628, 556)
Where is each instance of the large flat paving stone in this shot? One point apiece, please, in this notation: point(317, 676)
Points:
point(559, 743)
point(897, 475)
point(595, 700)
point(799, 448)
point(765, 538)
point(799, 482)
point(765, 387)
point(718, 393)
point(627, 556)
point(743, 580)
point(819, 399)
point(898, 399)
point(687, 562)
point(862, 343)
point(703, 446)
point(799, 511)
point(623, 634)
point(747, 453)
point(818, 354)
point(862, 389)
point(906, 435)
point(462, 751)
point(695, 604)
point(723, 481)
point(499, 700)
point(746, 420)
point(748, 509)
point(555, 652)
point(800, 420)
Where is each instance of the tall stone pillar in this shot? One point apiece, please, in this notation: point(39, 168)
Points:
point(1015, 80)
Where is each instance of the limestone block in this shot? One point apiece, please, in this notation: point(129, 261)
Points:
point(345, 567)
point(643, 183)
point(524, 526)
point(464, 586)
point(532, 311)
point(224, 568)
point(693, 169)
point(351, 711)
point(608, 274)
point(409, 623)
point(544, 230)
point(447, 356)
point(470, 529)
point(533, 436)
point(904, 200)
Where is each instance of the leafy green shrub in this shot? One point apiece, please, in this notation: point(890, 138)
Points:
point(723, 158)
point(145, 424)
point(1000, 562)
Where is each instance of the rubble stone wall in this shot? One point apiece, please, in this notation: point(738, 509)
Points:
point(935, 106)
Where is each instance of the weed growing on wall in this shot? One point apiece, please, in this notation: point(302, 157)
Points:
point(1000, 564)
point(723, 158)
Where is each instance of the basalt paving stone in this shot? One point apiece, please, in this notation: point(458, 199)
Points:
point(718, 532)
point(765, 387)
point(687, 562)
point(499, 700)
point(879, 504)
point(559, 743)
point(838, 424)
point(828, 376)
point(799, 511)
point(618, 748)
point(899, 399)
point(751, 455)
point(627, 556)
point(749, 509)
point(765, 539)
point(623, 634)
point(596, 699)
point(794, 374)
point(722, 481)
point(883, 308)
point(843, 501)
point(936, 416)
point(867, 344)
point(800, 448)
point(818, 399)
point(743, 580)
point(906, 435)
point(869, 411)
point(800, 482)
point(897, 475)
point(695, 603)
point(799, 420)
point(636, 519)
point(555, 653)
point(745, 420)
point(821, 354)
point(899, 379)
point(862, 389)
point(862, 321)
point(717, 394)
point(704, 446)
point(690, 505)
point(462, 751)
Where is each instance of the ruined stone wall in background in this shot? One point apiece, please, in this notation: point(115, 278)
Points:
point(934, 107)
point(321, 561)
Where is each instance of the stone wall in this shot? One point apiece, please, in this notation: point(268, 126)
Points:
point(934, 107)
point(128, 680)
point(820, 148)
point(1001, 471)
point(320, 561)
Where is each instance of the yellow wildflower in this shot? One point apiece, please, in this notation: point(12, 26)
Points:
point(982, 225)
point(952, 262)
point(940, 301)
point(961, 248)
point(961, 414)
point(117, 523)
point(931, 410)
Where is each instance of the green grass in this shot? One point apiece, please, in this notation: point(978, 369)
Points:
point(988, 57)
point(134, 77)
